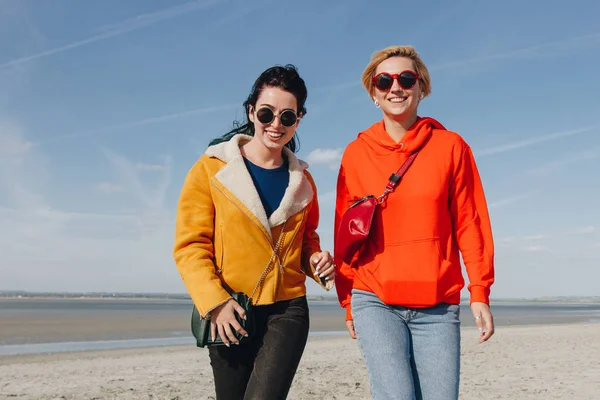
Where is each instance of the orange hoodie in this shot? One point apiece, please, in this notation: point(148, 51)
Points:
point(412, 256)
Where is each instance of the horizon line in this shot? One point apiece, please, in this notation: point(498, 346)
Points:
point(184, 294)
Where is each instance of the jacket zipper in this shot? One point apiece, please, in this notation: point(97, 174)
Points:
point(220, 266)
point(294, 238)
point(277, 249)
point(269, 239)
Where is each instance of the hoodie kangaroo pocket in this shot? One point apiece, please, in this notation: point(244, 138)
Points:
point(408, 272)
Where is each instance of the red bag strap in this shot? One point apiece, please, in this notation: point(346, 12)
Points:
point(396, 177)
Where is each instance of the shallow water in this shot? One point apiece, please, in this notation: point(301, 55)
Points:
point(36, 326)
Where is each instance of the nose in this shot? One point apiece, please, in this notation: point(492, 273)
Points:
point(276, 123)
point(396, 86)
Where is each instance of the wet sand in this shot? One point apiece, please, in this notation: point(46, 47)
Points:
point(531, 362)
point(30, 321)
point(74, 320)
point(72, 328)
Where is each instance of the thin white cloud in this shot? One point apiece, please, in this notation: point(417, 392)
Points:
point(132, 24)
point(97, 251)
point(550, 49)
point(240, 10)
point(118, 29)
point(11, 143)
point(24, 179)
point(339, 86)
point(329, 157)
point(532, 241)
point(149, 167)
point(584, 230)
point(60, 215)
point(585, 155)
point(520, 241)
point(140, 122)
point(524, 238)
point(107, 188)
point(511, 199)
point(536, 248)
point(22, 170)
point(128, 174)
point(535, 237)
point(533, 141)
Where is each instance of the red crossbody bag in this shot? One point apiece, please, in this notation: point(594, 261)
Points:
point(355, 225)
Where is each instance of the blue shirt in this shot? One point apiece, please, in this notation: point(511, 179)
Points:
point(270, 184)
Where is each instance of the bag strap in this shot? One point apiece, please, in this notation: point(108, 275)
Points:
point(268, 267)
point(397, 176)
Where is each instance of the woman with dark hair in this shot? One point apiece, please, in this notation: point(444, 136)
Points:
point(246, 223)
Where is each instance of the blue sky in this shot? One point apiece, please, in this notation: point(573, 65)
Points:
point(104, 106)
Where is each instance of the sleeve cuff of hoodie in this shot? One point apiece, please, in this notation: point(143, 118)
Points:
point(348, 313)
point(480, 294)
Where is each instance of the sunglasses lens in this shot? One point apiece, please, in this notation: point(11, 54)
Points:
point(384, 82)
point(288, 118)
point(265, 115)
point(407, 80)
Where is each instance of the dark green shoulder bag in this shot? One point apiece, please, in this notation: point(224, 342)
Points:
point(201, 326)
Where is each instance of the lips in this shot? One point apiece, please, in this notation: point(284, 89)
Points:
point(398, 100)
point(274, 135)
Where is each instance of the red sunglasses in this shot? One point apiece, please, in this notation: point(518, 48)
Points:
point(406, 79)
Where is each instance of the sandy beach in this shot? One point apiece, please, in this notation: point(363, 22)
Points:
point(533, 362)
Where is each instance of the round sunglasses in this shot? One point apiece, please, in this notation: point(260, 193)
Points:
point(288, 118)
point(406, 79)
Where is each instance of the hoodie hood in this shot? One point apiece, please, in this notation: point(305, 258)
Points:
point(377, 138)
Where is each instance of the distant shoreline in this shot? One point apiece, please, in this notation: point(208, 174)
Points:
point(5, 295)
point(182, 297)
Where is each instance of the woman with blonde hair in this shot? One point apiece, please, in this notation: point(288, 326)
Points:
point(413, 189)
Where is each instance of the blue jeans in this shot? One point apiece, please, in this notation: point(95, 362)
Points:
point(411, 353)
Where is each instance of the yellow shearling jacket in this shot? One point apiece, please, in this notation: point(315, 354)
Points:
point(224, 241)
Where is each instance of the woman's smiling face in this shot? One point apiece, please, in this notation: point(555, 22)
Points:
point(274, 135)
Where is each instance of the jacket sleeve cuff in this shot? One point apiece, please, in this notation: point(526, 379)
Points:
point(349, 313)
point(480, 294)
point(215, 302)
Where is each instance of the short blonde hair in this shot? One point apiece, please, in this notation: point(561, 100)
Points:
point(397, 51)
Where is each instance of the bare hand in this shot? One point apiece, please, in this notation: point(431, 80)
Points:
point(483, 319)
point(223, 319)
point(323, 264)
point(350, 327)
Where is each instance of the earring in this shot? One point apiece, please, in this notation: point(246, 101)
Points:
point(376, 104)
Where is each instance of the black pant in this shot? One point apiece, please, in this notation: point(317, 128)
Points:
point(264, 367)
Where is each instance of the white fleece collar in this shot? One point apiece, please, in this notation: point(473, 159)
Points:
point(236, 178)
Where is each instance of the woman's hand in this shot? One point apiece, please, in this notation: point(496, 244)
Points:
point(222, 319)
point(350, 327)
point(323, 264)
point(483, 319)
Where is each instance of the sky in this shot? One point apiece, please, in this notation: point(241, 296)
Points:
point(105, 106)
